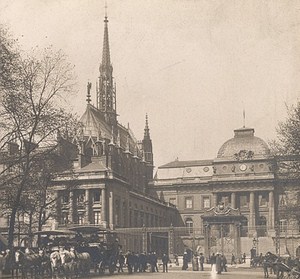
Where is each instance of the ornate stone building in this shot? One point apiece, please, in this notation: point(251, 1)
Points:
point(108, 184)
point(237, 196)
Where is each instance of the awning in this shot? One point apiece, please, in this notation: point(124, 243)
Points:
point(55, 232)
point(86, 229)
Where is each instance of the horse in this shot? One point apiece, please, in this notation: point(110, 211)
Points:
point(10, 265)
point(256, 261)
point(45, 266)
point(27, 261)
point(67, 262)
point(56, 266)
point(83, 262)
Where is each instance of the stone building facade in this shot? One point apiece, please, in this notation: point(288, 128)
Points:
point(244, 177)
point(108, 184)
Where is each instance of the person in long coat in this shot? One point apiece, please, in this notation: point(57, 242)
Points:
point(185, 261)
point(218, 264)
point(165, 260)
point(213, 262)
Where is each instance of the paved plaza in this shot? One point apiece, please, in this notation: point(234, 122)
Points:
point(238, 273)
point(177, 273)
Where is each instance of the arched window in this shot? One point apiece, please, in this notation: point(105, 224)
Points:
point(189, 224)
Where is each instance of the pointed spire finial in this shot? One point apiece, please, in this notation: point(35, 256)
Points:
point(105, 9)
point(244, 118)
point(146, 130)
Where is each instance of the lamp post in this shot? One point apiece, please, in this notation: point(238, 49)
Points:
point(255, 245)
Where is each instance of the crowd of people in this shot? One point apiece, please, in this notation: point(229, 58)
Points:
point(141, 262)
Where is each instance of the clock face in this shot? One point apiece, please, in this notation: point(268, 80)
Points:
point(243, 167)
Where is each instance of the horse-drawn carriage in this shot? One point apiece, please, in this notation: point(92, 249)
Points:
point(283, 268)
point(69, 253)
point(102, 246)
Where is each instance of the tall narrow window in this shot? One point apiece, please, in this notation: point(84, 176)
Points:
point(97, 195)
point(283, 225)
point(244, 202)
point(80, 219)
point(189, 224)
point(97, 217)
point(188, 202)
point(206, 202)
point(263, 199)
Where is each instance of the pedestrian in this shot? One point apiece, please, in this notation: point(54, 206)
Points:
point(201, 262)
point(121, 262)
point(218, 264)
point(2, 263)
point(213, 262)
point(244, 258)
point(223, 263)
point(135, 262)
point(165, 260)
point(155, 262)
point(176, 259)
point(129, 261)
point(233, 259)
point(265, 268)
point(142, 262)
point(152, 262)
point(185, 261)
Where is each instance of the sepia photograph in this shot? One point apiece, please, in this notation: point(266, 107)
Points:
point(150, 138)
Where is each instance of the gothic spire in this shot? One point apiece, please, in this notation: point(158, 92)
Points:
point(146, 130)
point(106, 90)
point(105, 53)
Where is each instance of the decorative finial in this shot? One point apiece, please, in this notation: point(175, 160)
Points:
point(244, 118)
point(146, 130)
point(105, 12)
point(146, 119)
point(88, 96)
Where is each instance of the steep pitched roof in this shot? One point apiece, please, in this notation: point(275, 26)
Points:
point(93, 121)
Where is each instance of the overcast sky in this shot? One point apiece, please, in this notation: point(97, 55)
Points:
point(191, 65)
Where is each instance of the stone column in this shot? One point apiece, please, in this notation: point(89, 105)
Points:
point(251, 223)
point(144, 239)
point(103, 207)
point(71, 207)
point(233, 200)
point(57, 219)
point(271, 210)
point(207, 239)
point(111, 210)
point(87, 207)
point(171, 241)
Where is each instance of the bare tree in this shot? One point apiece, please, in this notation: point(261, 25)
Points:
point(30, 116)
point(286, 149)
